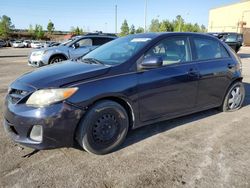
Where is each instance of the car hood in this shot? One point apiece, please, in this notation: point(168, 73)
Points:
point(62, 74)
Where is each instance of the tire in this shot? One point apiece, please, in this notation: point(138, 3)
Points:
point(234, 98)
point(103, 128)
point(57, 59)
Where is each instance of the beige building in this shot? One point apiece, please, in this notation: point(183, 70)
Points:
point(231, 18)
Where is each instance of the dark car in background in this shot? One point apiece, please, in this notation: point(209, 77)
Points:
point(234, 40)
point(125, 84)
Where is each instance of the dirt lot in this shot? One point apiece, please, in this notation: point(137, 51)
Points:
point(207, 149)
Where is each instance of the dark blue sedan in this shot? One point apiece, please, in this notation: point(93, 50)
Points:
point(127, 83)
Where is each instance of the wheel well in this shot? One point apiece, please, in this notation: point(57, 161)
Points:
point(125, 105)
point(235, 80)
point(60, 55)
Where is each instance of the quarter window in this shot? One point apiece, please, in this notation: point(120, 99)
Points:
point(171, 50)
point(209, 49)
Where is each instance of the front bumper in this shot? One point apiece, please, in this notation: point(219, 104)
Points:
point(58, 121)
point(38, 61)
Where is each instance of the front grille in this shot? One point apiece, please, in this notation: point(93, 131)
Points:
point(16, 95)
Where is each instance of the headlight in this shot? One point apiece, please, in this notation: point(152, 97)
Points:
point(46, 97)
point(39, 53)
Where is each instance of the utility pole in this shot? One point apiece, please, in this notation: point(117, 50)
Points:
point(115, 19)
point(145, 16)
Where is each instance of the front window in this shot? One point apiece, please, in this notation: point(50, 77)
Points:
point(172, 50)
point(118, 51)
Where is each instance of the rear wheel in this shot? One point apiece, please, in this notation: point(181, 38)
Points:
point(57, 59)
point(234, 98)
point(104, 128)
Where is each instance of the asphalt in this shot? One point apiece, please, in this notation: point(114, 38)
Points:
point(206, 149)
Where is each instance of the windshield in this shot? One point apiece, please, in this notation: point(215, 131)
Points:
point(118, 51)
point(231, 38)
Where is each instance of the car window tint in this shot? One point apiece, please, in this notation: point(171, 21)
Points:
point(101, 41)
point(209, 49)
point(85, 42)
point(171, 50)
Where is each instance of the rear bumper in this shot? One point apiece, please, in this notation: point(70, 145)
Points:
point(58, 121)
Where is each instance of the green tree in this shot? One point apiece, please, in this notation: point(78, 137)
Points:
point(155, 25)
point(50, 27)
point(166, 25)
point(178, 23)
point(39, 32)
point(124, 28)
point(139, 30)
point(77, 30)
point(5, 26)
point(132, 29)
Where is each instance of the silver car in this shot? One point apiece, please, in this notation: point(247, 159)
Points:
point(71, 49)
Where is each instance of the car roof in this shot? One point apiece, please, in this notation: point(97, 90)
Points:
point(155, 35)
point(94, 36)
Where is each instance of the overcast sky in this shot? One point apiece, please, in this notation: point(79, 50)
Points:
point(94, 15)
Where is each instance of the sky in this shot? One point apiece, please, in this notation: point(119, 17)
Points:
point(93, 15)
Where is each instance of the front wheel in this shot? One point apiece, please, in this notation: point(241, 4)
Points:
point(103, 128)
point(234, 98)
point(57, 59)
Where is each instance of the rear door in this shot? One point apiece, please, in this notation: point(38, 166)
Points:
point(214, 65)
point(172, 88)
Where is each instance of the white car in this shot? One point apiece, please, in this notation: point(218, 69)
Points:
point(18, 44)
point(27, 43)
point(36, 44)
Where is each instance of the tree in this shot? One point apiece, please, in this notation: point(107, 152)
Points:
point(31, 31)
point(50, 27)
point(139, 30)
point(38, 32)
point(124, 28)
point(77, 30)
point(5, 26)
point(166, 26)
point(132, 29)
point(155, 25)
point(178, 23)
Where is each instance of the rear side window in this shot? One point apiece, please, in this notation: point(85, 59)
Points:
point(207, 49)
point(101, 41)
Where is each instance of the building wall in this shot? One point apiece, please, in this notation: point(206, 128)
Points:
point(230, 18)
point(226, 18)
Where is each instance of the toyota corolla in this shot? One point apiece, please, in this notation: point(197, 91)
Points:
point(127, 83)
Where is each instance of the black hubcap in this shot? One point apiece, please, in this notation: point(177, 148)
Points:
point(105, 129)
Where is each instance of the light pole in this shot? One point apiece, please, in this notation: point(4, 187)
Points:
point(145, 16)
point(116, 19)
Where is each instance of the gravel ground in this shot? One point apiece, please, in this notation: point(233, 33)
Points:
point(206, 149)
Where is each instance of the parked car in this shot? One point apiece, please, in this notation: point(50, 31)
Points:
point(18, 44)
point(2, 43)
point(27, 43)
point(124, 84)
point(234, 40)
point(72, 48)
point(36, 44)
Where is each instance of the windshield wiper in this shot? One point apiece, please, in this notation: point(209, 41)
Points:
point(92, 61)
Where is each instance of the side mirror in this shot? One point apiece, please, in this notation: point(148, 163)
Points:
point(151, 62)
point(76, 45)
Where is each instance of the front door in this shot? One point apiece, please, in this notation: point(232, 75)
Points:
point(172, 88)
